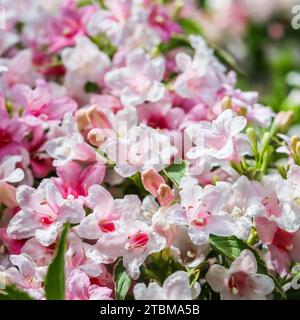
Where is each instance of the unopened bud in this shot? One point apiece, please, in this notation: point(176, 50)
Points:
point(298, 149)
point(253, 139)
point(165, 195)
point(152, 180)
point(96, 137)
point(226, 103)
point(97, 118)
point(283, 120)
point(81, 119)
point(294, 141)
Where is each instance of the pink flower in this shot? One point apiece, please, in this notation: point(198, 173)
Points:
point(114, 22)
point(155, 184)
point(26, 275)
point(195, 213)
point(85, 257)
point(8, 171)
point(65, 144)
point(75, 181)
point(13, 132)
point(132, 240)
point(107, 213)
point(40, 105)
point(175, 287)
point(43, 212)
point(162, 23)
point(160, 115)
point(138, 149)
point(79, 287)
point(220, 139)
point(283, 246)
point(139, 81)
point(201, 77)
point(240, 281)
point(21, 69)
point(84, 63)
point(68, 25)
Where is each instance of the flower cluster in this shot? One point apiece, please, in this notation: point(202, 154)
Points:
point(126, 147)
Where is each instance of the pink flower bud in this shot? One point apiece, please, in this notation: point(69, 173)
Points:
point(152, 180)
point(165, 195)
point(8, 195)
point(96, 137)
point(97, 118)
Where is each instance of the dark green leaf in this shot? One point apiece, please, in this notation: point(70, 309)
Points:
point(190, 26)
point(104, 44)
point(177, 41)
point(122, 281)
point(231, 248)
point(12, 293)
point(177, 171)
point(226, 58)
point(90, 87)
point(55, 278)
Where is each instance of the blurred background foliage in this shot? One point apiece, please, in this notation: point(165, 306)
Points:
point(255, 37)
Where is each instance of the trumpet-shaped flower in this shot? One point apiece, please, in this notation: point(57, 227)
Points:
point(241, 281)
point(175, 287)
point(43, 212)
point(139, 80)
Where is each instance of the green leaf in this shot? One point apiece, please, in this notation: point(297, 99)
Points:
point(104, 44)
point(190, 26)
point(177, 41)
point(90, 87)
point(231, 248)
point(293, 294)
point(122, 281)
point(12, 293)
point(176, 172)
point(55, 278)
point(226, 58)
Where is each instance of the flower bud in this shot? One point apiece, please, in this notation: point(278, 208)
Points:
point(8, 195)
point(226, 103)
point(294, 141)
point(97, 118)
point(283, 120)
point(165, 195)
point(96, 137)
point(152, 180)
point(81, 119)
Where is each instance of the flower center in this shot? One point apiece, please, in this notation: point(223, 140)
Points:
point(106, 226)
point(238, 283)
point(137, 240)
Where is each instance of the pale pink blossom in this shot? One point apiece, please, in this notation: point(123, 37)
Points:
point(138, 149)
point(175, 287)
point(202, 77)
point(283, 246)
point(74, 180)
point(241, 281)
point(40, 104)
point(195, 212)
point(220, 139)
point(107, 213)
point(68, 25)
point(65, 144)
point(43, 213)
point(26, 275)
point(79, 287)
point(139, 80)
point(84, 63)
